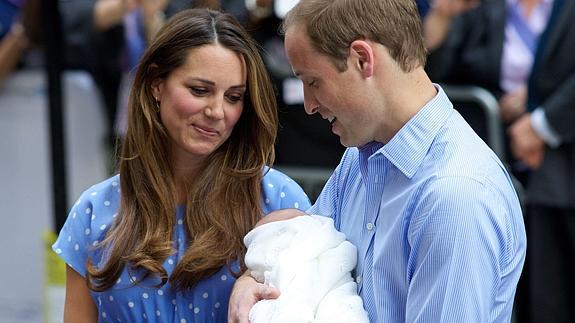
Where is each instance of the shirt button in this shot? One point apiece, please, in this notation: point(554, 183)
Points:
point(358, 279)
point(369, 226)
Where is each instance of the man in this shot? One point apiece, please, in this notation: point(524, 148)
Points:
point(434, 214)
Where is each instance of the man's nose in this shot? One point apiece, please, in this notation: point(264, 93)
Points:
point(310, 104)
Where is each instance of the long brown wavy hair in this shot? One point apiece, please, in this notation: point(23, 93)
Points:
point(223, 199)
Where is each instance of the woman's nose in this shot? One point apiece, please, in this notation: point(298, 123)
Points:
point(215, 108)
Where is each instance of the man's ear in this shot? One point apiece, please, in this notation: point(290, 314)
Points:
point(363, 57)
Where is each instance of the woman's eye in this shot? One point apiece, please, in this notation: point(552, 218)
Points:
point(312, 83)
point(233, 98)
point(199, 91)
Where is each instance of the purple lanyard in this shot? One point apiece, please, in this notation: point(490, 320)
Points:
point(134, 38)
point(17, 3)
point(525, 33)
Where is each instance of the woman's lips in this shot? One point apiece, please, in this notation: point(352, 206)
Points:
point(206, 130)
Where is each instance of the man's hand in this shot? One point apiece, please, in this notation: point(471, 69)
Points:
point(512, 105)
point(438, 21)
point(451, 8)
point(526, 145)
point(246, 292)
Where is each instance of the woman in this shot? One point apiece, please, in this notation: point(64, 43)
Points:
point(161, 241)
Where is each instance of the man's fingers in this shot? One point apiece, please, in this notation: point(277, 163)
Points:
point(245, 294)
point(267, 292)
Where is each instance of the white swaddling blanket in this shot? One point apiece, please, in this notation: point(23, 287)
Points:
point(310, 262)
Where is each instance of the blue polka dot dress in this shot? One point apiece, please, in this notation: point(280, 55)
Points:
point(91, 217)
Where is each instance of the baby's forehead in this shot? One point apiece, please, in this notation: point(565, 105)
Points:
point(280, 215)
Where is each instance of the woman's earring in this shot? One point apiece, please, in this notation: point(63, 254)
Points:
point(157, 105)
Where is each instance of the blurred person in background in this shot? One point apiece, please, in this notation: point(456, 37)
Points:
point(20, 25)
point(491, 45)
point(13, 39)
point(522, 51)
point(107, 39)
point(162, 241)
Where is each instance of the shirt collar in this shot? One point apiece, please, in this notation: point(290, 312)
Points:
point(407, 149)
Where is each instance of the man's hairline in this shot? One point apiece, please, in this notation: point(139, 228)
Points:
point(303, 29)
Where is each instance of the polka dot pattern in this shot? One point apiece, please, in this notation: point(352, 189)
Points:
point(132, 299)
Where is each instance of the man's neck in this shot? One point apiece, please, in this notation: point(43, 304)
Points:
point(412, 92)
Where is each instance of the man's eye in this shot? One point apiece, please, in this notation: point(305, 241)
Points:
point(312, 83)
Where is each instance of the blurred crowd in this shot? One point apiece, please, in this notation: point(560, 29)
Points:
point(521, 51)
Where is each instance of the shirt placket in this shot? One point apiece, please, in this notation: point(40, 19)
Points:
point(374, 183)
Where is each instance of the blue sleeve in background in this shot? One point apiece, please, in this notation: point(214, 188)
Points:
point(423, 7)
point(8, 13)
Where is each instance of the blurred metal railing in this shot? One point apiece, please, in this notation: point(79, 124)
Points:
point(481, 110)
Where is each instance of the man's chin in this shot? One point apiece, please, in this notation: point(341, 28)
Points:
point(346, 142)
point(350, 143)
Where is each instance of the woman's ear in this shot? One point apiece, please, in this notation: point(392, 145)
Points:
point(156, 89)
point(361, 53)
point(156, 84)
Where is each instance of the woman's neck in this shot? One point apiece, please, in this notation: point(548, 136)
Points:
point(181, 197)
point(183, 173)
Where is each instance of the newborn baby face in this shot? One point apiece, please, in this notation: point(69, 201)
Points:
point(280, 215)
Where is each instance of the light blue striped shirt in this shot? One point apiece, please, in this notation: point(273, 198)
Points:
point(436, 220)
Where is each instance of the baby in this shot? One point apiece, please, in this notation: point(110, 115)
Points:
point(310, 262)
